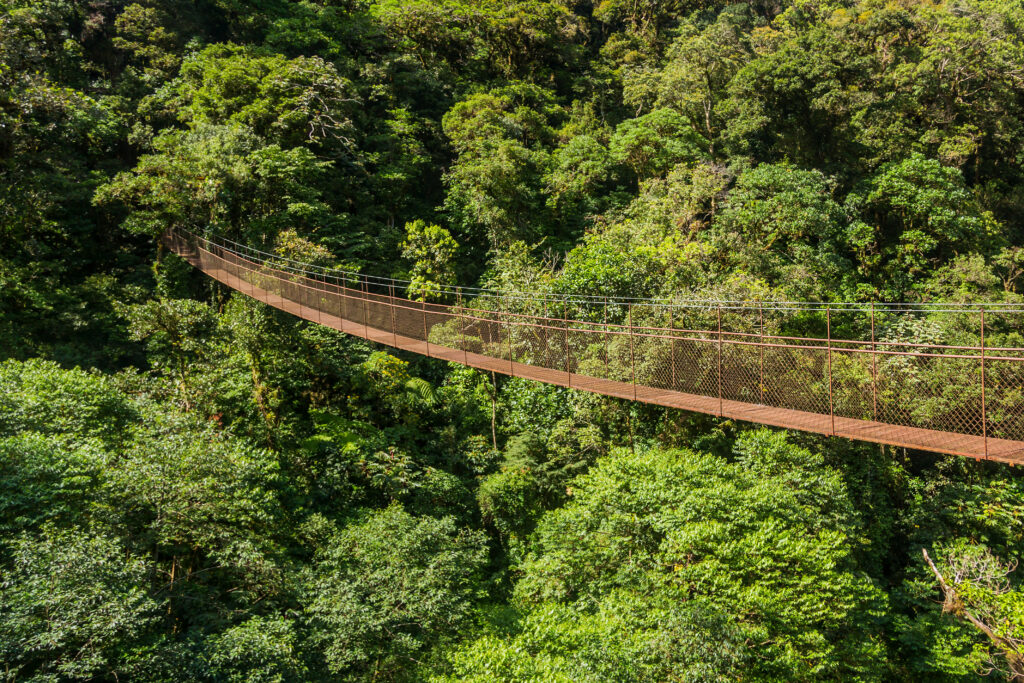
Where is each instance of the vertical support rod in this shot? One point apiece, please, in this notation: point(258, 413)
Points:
point(462, 330)
point(286, 289)
point(342, 304)
point(874, 368)
point(282, 287)
point(606, 337)
point(332, 293)
point(426, 336)
point(304, 290)
point(287, 292)
point(984, 411)
point(242, 272)
point(341, 283)
point(307, 286)
point(269, 283)
point(544, 334)
point(494, 321)
point(394, 325)
point(321, 291)
point(278, 287)
point(366, 312)
point(334, 307)
point(299, 295)
point(632, 357)
point(828, 332)
point(672, 341)
point(760, 349)
point(264, 281)
point(508, 325)
point(721, 402)
point(310, 286)
point(565, 326)
point(343, 290)
point(303, 294)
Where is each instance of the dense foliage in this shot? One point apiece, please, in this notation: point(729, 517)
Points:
point(194, 486)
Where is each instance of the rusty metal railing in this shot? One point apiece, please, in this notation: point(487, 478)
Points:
point(876, 373)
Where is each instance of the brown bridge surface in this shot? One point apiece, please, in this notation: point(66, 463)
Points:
point(709, 358)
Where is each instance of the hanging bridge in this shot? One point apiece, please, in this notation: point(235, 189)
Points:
point(877, 373)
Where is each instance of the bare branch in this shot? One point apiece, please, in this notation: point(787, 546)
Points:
point(987, 571)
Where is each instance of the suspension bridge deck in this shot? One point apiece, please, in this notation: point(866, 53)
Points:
point(330, 303)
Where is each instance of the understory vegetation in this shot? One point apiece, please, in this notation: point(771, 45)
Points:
point(197, 487)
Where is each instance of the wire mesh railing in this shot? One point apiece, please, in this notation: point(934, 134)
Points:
point(947, 378)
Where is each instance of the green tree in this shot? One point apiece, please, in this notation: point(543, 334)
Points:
point(701, 64)
point(917, 214)
point(222, 178)
point(652, 144)
point(259, 650)
point(431, 249)
point(623, 638)
point(577, 182)
point(288, 102)
point(73, 606)
point(501, 138)
point(746, 537)
point(522, 39)
point(179, 335)
point(143, 32)
point(207, 507)
point(390, 587)
point(47, 478)
point(39, 396)
point(782, 223)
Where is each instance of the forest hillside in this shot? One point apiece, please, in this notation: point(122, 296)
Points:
point(197, 487)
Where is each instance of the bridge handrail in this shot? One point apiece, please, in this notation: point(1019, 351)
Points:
point(912, 386)
point(308, 269)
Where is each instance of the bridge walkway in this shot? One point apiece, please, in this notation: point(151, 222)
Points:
point(273, 288)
